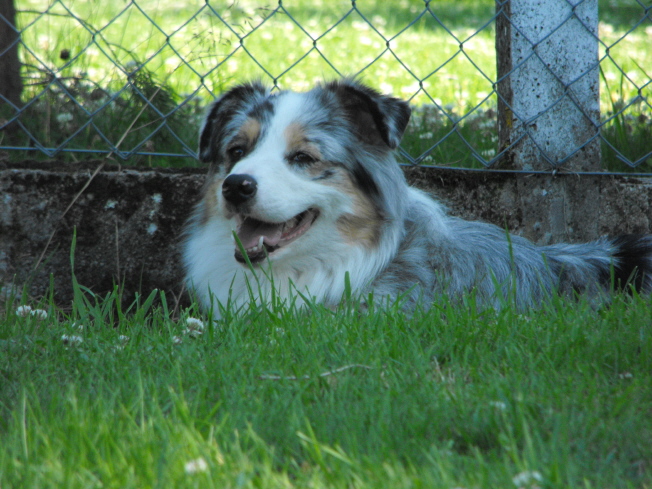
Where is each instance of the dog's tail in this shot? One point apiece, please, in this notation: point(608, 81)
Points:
point(621, 263)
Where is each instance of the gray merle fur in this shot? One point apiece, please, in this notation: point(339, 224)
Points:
point(421, 253)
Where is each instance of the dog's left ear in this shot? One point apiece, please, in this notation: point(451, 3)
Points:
point(374, 115)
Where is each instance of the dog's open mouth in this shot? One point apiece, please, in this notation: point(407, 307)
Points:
point(260, 238)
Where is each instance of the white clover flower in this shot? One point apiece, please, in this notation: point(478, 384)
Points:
point(23, 311)
point(122, 341)
point(194, 323)
point(194, 327)
point(39, 314)
point(195, 466)
point(72, 339)
point(64, 117)
point(177, 340)
point(487, 124)
point(527, 478)
point(498, 405)
point(131, 66)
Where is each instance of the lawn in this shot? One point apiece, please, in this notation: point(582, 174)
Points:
point(191, 51)
point(111, 395)
point(105, 395)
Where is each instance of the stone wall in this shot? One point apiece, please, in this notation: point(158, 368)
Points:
point(129, 223)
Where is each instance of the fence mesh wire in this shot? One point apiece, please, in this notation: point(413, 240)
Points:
point(130, 78)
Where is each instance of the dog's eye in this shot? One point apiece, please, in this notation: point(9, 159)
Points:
point(236, 153)
point(302, 158)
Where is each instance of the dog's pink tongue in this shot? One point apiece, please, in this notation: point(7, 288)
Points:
point(251, 230)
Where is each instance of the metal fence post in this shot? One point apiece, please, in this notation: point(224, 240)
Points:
point(548, 83)
point(11, 84)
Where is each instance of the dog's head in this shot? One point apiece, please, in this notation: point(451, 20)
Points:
point(300, 167)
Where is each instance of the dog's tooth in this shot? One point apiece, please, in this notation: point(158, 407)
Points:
point(260, 243)
point(289, 224)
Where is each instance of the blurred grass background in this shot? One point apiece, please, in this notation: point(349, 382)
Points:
point(111, 57)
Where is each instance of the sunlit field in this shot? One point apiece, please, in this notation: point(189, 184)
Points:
point(441, 58)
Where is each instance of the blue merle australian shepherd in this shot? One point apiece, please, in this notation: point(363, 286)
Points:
point(309, 185)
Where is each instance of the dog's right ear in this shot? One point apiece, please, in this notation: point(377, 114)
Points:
point(223, 111)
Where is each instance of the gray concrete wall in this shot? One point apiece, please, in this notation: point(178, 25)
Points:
point(129, 223)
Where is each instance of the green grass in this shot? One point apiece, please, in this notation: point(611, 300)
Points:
point(448, 398)
point(188, 51)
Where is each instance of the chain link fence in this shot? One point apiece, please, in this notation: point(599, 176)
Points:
point(130, 79)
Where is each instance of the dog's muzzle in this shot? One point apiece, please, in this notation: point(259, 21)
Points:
point(259, 239)
point(239, 188)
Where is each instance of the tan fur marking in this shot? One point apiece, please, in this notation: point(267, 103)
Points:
point(250, 131)
point(318, 168)
point(362, 226)
point(296, 141)
point(210, 204)
point(294, 135)
point(246, 138)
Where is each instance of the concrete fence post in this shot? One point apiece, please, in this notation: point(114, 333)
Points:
point(549, 112)
point(548, 83)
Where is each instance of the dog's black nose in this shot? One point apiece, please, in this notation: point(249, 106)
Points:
point(238, 188)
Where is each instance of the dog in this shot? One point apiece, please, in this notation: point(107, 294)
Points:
point(307, 201)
